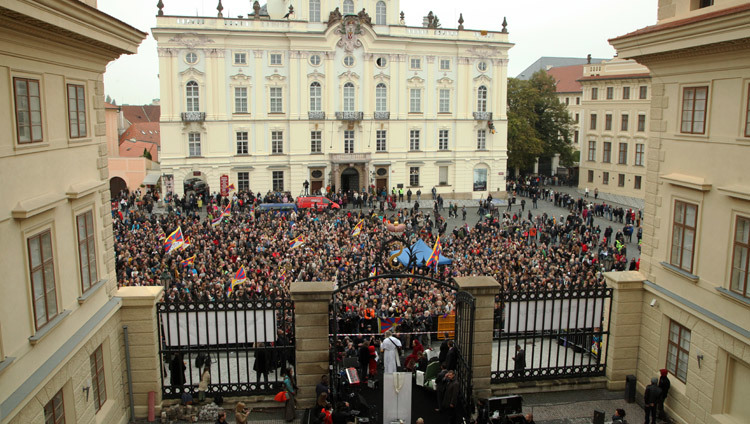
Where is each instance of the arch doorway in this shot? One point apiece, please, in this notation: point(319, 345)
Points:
point(350, 180)
point(116, 186)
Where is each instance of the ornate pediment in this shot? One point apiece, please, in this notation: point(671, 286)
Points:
point(191, 39)
point(349, 75)
point(382, 77)
point(483, 51)
point(316, 75)
point(445, 81)
point(191, 72)
point(240, 77)
point(275, 78)
point(483, 78)
point(415, 80)
point(350, 30)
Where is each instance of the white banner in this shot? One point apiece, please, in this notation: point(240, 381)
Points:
point(218, 327)
point(557, 314)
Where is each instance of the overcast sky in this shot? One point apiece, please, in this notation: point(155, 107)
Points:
point(565, 28)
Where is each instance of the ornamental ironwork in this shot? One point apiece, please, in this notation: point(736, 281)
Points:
point(316, 116)
point(349, 116)
point(483, 116)
point(382, 116)
point(193, 116)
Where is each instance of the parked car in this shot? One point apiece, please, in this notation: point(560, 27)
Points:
point(318, 202)
point(196, 185)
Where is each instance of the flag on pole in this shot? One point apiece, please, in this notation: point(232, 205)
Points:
point(435, 256)
point(216, 221)
point(239, 277)
point(187, 243)
point(227, 211)
point(230, 187)
point(160, 233)
point(385, 324)
point(373, 271)
point(174, 240)
point(297, 242)
point(358, 228)
point(188, 261)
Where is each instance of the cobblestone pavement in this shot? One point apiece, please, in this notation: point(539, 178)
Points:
point(577, 407)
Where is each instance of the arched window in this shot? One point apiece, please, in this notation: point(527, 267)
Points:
point(348, 7)
point(191, 94)
point(380, 13)
point(381, 98)
point(482, 99)
point(348, 97)
point(314, 10)
point(316, 97)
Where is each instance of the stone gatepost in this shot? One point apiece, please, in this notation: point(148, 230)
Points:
point(484, 290)
point(311, 300)
point(138, 312)
point(624, 326)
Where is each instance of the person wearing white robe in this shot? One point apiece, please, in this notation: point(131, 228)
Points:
point(390, 347)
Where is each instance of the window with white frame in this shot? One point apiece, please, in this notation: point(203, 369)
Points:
point(415, 63)
point(277, 180)
point(482, 99)
point(86, 249)
point(414, 176)
point(316, 97)
point(414, 140)
point(443, 137)
point(348, 7)
point(380, 141)
point(243, 181)
point(443, 175)
point(240, 58)
point(348, 141)
point(481, 139)
point(275, 59)
point(276, 100)
point(348, 97)
point(242, 142)
point(684, 226)
point(415, 100)
point(314, 10)
point(192, 96)
point(277, 142)
point(444, 104)
point(194, 144)
point(315, 60)
point(678, 350)
point(42, 272)
point(240, 99)
point(380, 13)
point(316, 141)
point(445, 64)
point(381, 98)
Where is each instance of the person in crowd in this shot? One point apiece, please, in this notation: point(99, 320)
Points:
point(290, 387)
point(650, 399)
point(241, 413)
point(203, 385)
point(664, 385)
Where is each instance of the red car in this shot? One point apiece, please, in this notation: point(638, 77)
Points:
point(319, 203)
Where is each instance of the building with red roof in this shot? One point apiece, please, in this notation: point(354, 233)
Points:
point(133, 131)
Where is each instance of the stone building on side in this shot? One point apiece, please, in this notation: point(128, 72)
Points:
point(695, 300)
point(338, 93)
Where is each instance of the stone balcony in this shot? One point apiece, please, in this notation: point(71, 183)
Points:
point(349, 116)
point(382, 116)
point(316, 116)
point(349, 157)
point(193, 116)
point(483, 116)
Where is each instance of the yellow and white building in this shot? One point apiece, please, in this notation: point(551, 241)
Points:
point(338, 93)
point(61, 358)
point(696, 307)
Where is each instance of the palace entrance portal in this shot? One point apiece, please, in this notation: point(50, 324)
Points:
point(350, 180)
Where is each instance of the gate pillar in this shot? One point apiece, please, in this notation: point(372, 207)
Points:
point(311, 300)
point(624, 325)
point(483, 289)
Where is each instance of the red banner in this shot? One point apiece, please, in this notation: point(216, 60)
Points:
point(223, 184)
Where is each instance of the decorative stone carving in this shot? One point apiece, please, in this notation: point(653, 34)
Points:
point(160, 6)
point(276, 78)
point(166, 52)
point(191, 39)
point(334, 17)
point(349, 75)
point(382, 77)
point(240, 77)
point(220, 8)
point(461, 21)
point(445, 81)
point(191, 72)
point(258, 54)
point(415, 80)
point(430, 59)
point(364, 17)
point(505, 26)
point(315, 75)
point(483, 51)
point(256, 9)
point(350, 30)
point(216, 53)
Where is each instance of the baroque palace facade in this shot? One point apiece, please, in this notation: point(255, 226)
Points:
point(335, 96)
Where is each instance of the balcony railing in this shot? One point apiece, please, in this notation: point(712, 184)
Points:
point(483, 116)
point(349, 116)
point(316, 116)
point(382, 116)
point(193, 116)
point(350, 157)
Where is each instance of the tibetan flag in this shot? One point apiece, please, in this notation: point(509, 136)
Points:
point(227, 211)
point(239, 277)
point(174, 240)
point(160, 233)
point(373, 271)
point(216, 221)
point(188, 261)
point(297, 242)
point(230, 187)
point(187, 243)
point(435, 256)
point(385, 324)
point(358, 228)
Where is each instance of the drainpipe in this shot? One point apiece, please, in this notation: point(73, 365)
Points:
point(130, 374)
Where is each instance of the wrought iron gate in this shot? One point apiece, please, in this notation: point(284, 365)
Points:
point(464, 340)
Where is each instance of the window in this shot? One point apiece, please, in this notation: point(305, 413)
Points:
point(243, 181)
point(76, 111)
point(678, 350)
point(592, 150)
point(348, 141)
point(240, 99)
point(594, 93)
point(443, 139)
point(610, 93)
point(380, 13)
point(607, 152)
point(624, 122)
point(575, 137)
point(605, 178)
point(591, 176)
point(86, 249)
point(277, 104)
point(747, 114)
point(381, 98)
point(316, 97)
point(240, 58)
point(54, 410)
point(567, 101)
point(621, 180)
point(414, 176)
point(608, 122)
point(578, 100)
point(42, 271)
point(444, 105)
point(348, 97)
point(415, 100)
point(482, 99)
point(194, 144)
point(641, 123)
point(415, 63)
point(414, 140)
point(348, 7)
point(315, 60)
point(445, 64)
point(277, 180)
point(578, 116)
point(28, 110)
point(482, 66)
point(98, 383)
point(481, 139)
point(380, 141)
point(637, 184)
point(694, 110)
point(480, 179)
point(349, 61)
point(592, 126)
point(740, 254)
point(316, 141)
point(192, 97)
point(443, 175)
point(640, 150)
point(643, 92)
point(277, 142)
point(314, 10)
point(626, 93)
point(381, 62)
point(191, 58)
point(622, 157)
point(683, 235)
point(242, 145)
point(275, 59)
